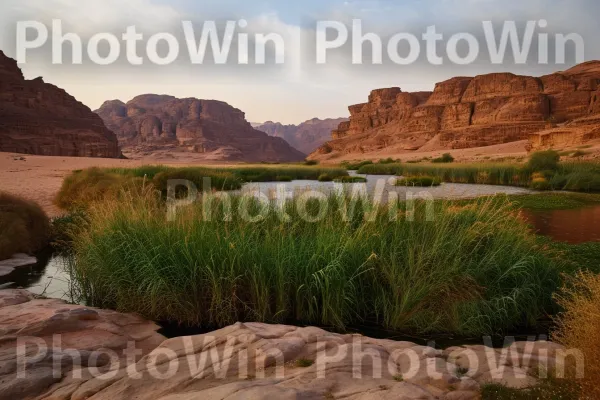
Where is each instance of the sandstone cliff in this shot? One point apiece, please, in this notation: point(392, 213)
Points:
point(554, 110)
point(39, 118)
point(307, 136)
point(204, 129)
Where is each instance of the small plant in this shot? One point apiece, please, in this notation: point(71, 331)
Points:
point(351, 179)
point(388, 160)
point(579, 153)
point(444, 159)
point(357, 166)
point(311, 162)
point(325, 178)
point(539, 182)
point(303, 363)
point(399, 378)
point(543, 161)
point(578, 327)
point(424, 181)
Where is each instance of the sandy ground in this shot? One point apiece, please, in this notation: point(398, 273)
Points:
point(39, 177)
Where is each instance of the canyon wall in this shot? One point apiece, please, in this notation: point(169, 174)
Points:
point(40, 118)
point(203, 129)
point(550, 111)
point(307, 136)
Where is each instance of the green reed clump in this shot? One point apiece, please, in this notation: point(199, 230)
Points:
point(574, 176)
point(424, 181)
point(469, 269)
point(24, 226)
point(271, 174)
point(380, 169)
point(355, 166)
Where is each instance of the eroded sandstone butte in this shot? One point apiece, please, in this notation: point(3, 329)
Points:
point(555, 110)
point(204, 129)
point(40, 118)
point(307, 136)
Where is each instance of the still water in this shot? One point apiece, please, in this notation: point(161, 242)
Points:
point(572, 226)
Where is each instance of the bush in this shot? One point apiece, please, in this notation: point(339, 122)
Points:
point(543, 161)
point(444, 159)
point(356, 166)
point(311, 162)
point(24, 226)
point(380, 169)
point(388, 161)
point(578, 327)
point(425, 181)
point(325, 178)
point(539, 182)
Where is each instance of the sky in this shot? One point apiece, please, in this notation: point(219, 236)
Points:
point(299, 89)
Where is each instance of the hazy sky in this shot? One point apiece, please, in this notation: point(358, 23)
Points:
point(298, 90)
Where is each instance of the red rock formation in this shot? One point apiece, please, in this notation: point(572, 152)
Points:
point(39, 118)
point(307, 136)
point(553, 110)
point(207, 129)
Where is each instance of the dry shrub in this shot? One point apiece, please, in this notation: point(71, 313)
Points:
point(578, 327)
point(24, 226)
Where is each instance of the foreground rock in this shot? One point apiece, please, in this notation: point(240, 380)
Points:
point(307, 136)
point(242, 361)
point(16, 261)
point(40, 118)
point(558, 110)
point(165, 126)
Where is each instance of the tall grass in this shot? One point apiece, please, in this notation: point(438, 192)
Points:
point(24, 226)
point(579, 326)
point(475, 269)
point(574, 176)
point(98, 184)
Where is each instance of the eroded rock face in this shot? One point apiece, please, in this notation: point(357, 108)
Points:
point(40, 118)
point(207, 129)
point(554, 110)
point(307, 136)
point(242, 361)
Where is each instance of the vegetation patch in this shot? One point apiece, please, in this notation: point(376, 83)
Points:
point(84, 187)
point(24, 226)
point(425, 181)
point(444, 159)
point(356, 165)
point(478, 272)
point(351, 179)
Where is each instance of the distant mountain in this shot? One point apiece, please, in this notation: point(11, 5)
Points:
point(165, 126)
point(40, 118)
point(307, 136)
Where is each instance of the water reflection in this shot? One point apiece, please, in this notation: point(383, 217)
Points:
point(571, 226)
point(47, 277)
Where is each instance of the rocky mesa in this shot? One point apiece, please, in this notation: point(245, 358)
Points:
point(163, 126)
point(307, 136)
point(40, 118)
point(556, 110)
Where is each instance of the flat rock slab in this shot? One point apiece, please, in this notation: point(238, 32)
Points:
point(53, 350)
point(16, 261)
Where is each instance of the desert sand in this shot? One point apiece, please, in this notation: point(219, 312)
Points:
point(39, 178)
